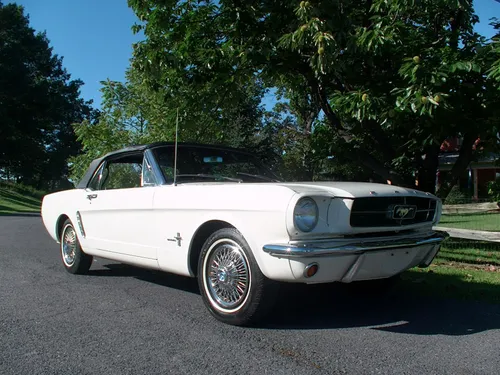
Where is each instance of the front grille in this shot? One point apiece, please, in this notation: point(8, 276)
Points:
point(391, 211)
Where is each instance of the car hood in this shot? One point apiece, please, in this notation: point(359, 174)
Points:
point(351, 189)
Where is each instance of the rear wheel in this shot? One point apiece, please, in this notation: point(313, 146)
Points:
point(74, 259)
point(232, 286)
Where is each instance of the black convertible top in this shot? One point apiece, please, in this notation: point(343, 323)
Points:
point(82, 184)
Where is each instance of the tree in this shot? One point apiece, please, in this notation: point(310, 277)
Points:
point(392, 79)
point(133, 113)
point(38, 103)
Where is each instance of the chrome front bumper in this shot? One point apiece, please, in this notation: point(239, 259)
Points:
point(332, 248)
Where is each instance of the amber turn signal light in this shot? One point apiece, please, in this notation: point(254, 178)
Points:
point(311, 270)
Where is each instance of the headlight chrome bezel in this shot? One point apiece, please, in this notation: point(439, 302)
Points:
point(298, 220)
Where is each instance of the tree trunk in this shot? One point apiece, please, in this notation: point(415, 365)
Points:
point(463, 161)
point(358, 155)
point(427, 170)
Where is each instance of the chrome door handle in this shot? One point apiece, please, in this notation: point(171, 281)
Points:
point(91, 196)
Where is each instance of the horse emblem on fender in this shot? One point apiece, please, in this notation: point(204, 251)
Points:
point(404, 212)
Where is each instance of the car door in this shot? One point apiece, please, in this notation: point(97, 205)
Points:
point(117, 214)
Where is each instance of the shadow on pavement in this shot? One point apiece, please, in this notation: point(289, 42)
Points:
point(401, 311)
point(168, 280)
point(333, 306)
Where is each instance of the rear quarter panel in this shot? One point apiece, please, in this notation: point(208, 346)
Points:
point(57, 204)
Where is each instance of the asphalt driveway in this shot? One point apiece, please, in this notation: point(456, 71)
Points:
point(125, 320)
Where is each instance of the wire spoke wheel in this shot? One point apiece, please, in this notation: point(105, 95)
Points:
point(74, 259)
point(69, 245)
point(232, 286)
point(227, 275)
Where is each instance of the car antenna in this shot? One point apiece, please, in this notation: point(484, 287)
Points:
point(175, 147)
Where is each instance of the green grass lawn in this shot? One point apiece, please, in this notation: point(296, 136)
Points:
point(471, 256)
point(477, 221)
point(18, 199)
point(463, 269)
point(453, 280)
point(470, 252)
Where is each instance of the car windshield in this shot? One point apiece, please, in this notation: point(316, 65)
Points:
point(198, 163)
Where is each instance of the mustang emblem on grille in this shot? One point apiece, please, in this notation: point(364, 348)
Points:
point(404, 212)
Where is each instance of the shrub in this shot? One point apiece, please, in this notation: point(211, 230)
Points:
point(457, 196)
point(494, 189)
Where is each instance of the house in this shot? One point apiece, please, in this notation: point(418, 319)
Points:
point(479, 173)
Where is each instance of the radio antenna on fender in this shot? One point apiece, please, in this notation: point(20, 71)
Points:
point(175, 147)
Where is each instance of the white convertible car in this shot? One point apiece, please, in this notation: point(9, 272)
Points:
point(218, 214)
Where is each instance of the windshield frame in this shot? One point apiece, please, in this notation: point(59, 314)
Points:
point(268, 176)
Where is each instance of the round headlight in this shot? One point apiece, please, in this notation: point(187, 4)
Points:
point(305, 214)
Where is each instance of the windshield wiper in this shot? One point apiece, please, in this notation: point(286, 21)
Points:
point(258, 176)
point(211, 176)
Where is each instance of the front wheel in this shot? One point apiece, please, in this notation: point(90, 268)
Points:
point(231, 284)
point(74, 259)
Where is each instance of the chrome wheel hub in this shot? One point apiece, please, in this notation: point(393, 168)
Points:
point(227, 275)
point(68, 245)
point(222, 275)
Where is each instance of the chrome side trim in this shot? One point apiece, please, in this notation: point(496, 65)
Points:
point(80, 223)
point(307, 250)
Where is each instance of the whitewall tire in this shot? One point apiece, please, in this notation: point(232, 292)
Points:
point(75, 261)
point(231, 284)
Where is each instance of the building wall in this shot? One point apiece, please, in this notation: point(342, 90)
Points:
point(483, 177)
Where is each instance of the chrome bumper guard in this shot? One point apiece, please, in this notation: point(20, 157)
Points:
point(321, 249)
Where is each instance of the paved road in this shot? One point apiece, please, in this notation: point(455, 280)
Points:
point(124, 320)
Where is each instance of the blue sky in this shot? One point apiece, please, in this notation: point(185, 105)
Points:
point(95, 38)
